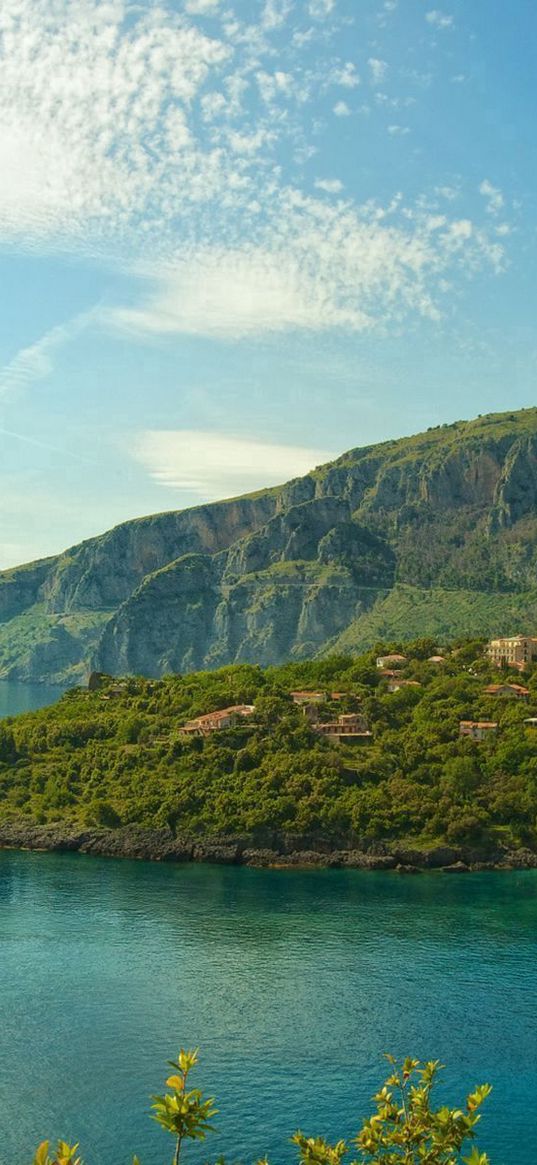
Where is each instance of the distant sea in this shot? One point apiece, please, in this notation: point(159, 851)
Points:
point(15, 697)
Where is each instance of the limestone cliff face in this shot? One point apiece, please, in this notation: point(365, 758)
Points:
point(285, 572)
point(283, 591)
point(102, 572)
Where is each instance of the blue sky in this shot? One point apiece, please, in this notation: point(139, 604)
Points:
point(237, 239)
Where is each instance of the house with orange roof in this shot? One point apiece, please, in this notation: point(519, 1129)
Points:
point(352, 727)
point(216, 721)
point(478, 729)
point(512, 691)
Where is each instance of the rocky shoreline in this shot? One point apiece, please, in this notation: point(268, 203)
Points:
point(275, 851)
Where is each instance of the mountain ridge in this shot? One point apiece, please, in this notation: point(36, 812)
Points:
point(293, 571)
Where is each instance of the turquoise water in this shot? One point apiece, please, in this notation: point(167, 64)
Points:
point(293, 984)
point(15, 697)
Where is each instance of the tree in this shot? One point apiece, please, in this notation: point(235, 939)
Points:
point(186, 1115)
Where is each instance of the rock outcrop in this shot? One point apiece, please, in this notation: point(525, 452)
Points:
point(322, 563)
point(278, 850)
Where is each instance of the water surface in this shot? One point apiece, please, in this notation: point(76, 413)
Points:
point(293, 984)
point(16, 697)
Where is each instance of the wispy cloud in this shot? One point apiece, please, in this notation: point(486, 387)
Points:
point(36, 361)
point(319, 266)
point(345, 75)
point(320, 9)
point(438, 19)
point(398, 130)
point(202, 7)
point(131, 131)
point(329, 185)
point(37, 443)
point(495, 201)
point(378, 70)
point(214, 465)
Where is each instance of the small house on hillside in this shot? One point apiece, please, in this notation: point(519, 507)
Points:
point(352, 727)
point(395, 684)
point(512, 691)
point(478, 729)
point(304, 697)
point(391, 661)
point(216, 721)
point(531, 722)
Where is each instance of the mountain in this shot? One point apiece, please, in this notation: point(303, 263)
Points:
point(432, 534)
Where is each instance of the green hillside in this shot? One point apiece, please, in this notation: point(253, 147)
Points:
point(116, 756)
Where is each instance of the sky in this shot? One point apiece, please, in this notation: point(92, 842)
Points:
point(239, 238)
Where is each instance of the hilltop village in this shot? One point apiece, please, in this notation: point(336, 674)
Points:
point(517, 653)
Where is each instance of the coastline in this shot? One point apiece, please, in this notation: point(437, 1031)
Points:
point(276, 851)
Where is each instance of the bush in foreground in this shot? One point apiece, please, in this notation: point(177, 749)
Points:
point(405, 1129)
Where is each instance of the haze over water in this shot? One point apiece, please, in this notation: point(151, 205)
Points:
point(293, 984)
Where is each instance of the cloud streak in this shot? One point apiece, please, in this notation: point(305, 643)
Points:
point(215, 465)
point(36, 361)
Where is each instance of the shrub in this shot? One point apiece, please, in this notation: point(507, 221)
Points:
point(405, 1129)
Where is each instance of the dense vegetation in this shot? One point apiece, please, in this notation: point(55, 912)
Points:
point(405, 1129)
point(116, 756)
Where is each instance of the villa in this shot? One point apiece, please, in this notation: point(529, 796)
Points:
point(512, 691)
point(515, 651)
point(352, 727)
point(216, 721)
point(478, 729)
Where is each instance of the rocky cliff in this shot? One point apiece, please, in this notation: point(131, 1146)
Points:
point(435, 533)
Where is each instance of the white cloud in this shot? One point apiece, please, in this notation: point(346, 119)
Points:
point(215, 465)
point(275, 13)
point(450, 193)
point(439, 19)
point(320, 9)
point(398, 130)
point(345, 75)
point(341, 109)
point(494, 198)
point(329, 185)
point(319, 266)
point(202, 7)
point(93, 115)
point(126, 131)
point(378, 70)
point(237, 294)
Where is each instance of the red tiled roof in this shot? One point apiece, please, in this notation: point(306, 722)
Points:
point(493, 689)
point(478, 724)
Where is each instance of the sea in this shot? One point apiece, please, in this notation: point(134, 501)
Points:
point(17, 697)
point(293, 984)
